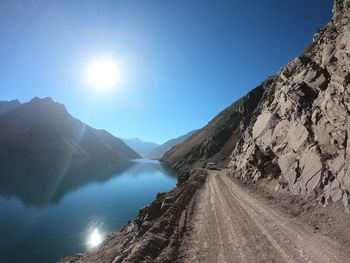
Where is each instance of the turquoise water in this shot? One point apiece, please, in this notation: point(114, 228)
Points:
point(43, 220)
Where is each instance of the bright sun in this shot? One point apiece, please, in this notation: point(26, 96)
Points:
point(103, 74)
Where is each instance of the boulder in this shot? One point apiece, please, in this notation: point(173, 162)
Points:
point(297, 135)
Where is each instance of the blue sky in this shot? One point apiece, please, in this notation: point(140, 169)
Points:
point(181, 61)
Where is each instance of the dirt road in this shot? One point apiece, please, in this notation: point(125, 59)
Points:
point(229, 225)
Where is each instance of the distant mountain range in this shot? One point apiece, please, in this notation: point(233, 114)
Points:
point(158, 152)
point(42, 131)
point(154, 151)
point(141, 147)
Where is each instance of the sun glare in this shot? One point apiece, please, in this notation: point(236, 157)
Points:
point(95, 238)
point(103, 74)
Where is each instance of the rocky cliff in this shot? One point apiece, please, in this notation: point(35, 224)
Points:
point(299, 132)
point(294, 127)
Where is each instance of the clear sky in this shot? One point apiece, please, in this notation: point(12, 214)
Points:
point(181, 61)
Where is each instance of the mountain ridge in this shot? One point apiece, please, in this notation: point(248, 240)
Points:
point(42, 128)
point(6, 106)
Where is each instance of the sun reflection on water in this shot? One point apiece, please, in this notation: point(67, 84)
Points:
point(95, 238)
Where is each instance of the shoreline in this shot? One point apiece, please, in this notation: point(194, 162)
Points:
point(154, 235)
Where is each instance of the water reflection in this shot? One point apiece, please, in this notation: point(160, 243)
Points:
point(148, 166)
point(45, 185)
point(90, 201)
point(95, 238)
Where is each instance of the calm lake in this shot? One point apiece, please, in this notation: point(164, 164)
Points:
point(44, 217)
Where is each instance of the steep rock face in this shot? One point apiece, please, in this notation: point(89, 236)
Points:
point(216, 140)
point(300, 129)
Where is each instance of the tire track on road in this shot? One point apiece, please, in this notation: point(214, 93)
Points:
point(230, 225)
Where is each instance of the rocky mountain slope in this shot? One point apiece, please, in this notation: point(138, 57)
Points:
point(158, 153)
point(142, 148)
point(299, 132)
point(216, 140)
point(42, 131)
point(294, 127)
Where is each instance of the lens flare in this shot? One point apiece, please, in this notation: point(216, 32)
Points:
point(103, 74)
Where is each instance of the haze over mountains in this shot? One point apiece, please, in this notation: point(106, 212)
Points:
point(141, 147)
point(6, 106)
point(43, 131)
point(158, 152)
point(154, 151)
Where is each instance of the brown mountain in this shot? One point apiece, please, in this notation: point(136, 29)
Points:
point(216, 140)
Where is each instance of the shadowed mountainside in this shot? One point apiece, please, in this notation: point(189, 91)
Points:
point(43, 131)
point(6, 106)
